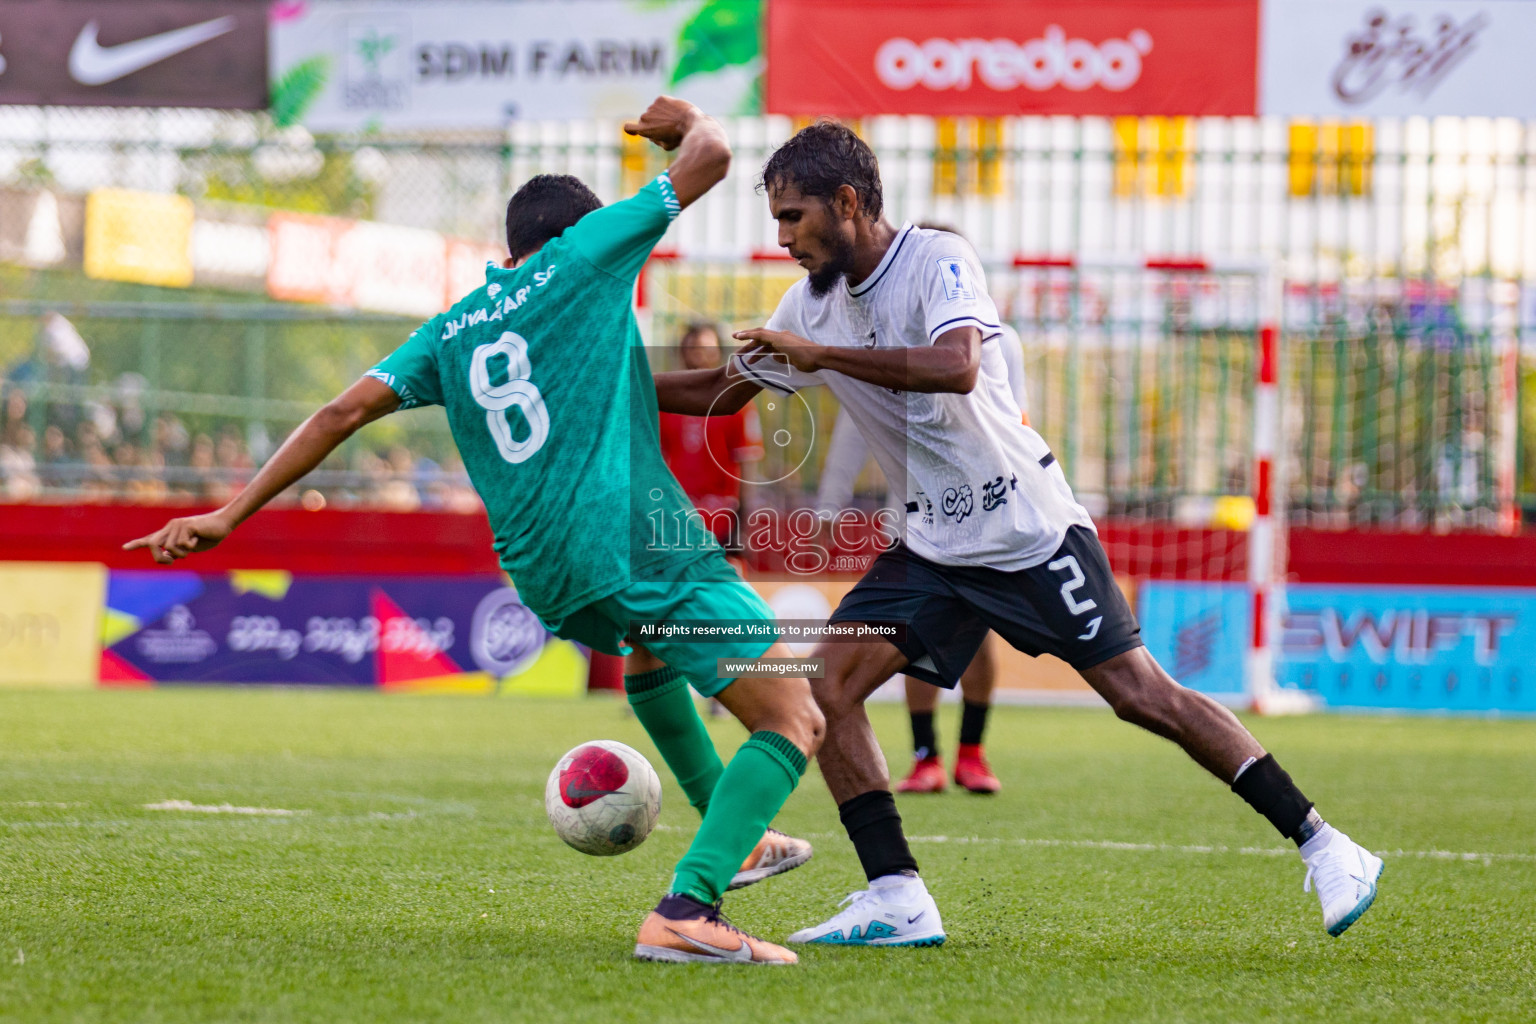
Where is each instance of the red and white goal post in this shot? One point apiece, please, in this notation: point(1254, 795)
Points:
point(1158, 384)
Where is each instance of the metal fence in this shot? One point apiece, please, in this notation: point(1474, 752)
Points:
point(1406, 247)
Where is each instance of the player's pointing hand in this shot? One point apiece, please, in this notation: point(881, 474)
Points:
point(181, 537)
point(665, 121)
point(802, 353)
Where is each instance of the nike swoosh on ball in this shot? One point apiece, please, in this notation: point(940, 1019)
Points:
point(90, 63)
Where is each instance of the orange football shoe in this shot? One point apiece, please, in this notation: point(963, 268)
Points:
point(972, 771)
point(703, 936)
point(927, 776)
point(774, 854)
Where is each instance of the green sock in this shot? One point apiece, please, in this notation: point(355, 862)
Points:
point(755, 785)
point(665, 707)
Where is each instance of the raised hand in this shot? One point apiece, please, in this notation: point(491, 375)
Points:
point(665, 121)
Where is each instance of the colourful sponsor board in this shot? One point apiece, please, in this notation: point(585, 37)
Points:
point(1388, 647)
point(1421, 648)
point(1198, 632)
point(143, 237)
point(854, 58)
point(1397, 58)
point(345, 65)
point(48, 623)
point(456, 633)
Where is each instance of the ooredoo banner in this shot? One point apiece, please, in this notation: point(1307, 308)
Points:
point(456, 633)
point(853, 58)
point(1398, 58)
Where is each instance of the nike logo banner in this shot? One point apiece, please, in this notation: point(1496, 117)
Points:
point(177, 53)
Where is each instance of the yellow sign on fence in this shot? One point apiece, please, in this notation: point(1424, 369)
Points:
point(50, 615)
point(144, 237)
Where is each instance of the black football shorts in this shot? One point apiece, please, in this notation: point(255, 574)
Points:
point(1069, 606)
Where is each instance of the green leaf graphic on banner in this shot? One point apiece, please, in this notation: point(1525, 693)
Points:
point(293, 93)
point(724, 33)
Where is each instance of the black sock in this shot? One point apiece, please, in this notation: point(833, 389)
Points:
point(1270, 791)
point(973, 722)
point(677, 906)
point(875, 828)
point(924, 742)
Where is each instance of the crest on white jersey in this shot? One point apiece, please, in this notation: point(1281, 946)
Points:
point(957, 278)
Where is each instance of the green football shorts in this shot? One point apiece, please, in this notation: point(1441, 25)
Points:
point(708, 588)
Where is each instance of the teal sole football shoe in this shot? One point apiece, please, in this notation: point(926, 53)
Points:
point(886, 915)
point(1345, 875)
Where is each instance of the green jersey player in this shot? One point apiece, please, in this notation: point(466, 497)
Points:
point(553, 408)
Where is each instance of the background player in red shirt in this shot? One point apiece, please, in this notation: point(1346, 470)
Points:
point(708, 455)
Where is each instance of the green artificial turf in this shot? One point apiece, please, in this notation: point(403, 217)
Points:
point(422, 882)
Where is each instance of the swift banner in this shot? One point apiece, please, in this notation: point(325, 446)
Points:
point(855, 58)
point(1398, 58)
point(456, 633)
point(358, 64)
point(1422, 648)
point(1397, 647)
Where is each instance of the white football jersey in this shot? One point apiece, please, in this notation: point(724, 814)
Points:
point(980, 487)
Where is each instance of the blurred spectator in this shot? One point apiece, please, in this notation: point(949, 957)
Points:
point(57, 459)
point(18, 469)
point(709, 455)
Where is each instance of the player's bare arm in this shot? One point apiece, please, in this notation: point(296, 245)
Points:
point(703, 153)
point(720, 391)
point(949, 365)
point(305, 448)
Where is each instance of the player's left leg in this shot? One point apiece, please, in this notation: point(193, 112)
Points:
point(1080, 615)
point(976, 685)
point(664, 705)
point(927, 774)
point(1140, 692)
point(786, 729)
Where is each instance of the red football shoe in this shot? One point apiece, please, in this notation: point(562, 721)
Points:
point(972, 771)
point(927, 776)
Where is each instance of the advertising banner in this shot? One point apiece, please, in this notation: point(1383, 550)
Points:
point(855, 58)
point(1398, 58)
point(1420, 648)
point(144, 237)
point(1198, 632)
point(341, 66)
point(49, 619)
point(149, 53)
point(455, 633)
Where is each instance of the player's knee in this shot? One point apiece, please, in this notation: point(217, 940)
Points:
point(801, 722)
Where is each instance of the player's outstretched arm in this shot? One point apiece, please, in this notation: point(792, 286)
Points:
point(717, 392)
point(703, 153)
point(305, 449)
point(950, 364)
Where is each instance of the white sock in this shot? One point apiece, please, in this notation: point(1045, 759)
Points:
point(1319, 839)
point(890, 883)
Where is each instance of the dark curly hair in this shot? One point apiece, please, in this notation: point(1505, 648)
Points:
point(543, 208)
point(820, 159)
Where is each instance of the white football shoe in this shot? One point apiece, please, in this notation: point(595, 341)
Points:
point(1345, 873)
point(900, 914)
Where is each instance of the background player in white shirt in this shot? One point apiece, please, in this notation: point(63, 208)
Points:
point(898, 323)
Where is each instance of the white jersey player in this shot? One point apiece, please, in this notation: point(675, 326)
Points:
point(899, 324)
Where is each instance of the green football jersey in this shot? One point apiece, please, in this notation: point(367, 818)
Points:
point(553, 408)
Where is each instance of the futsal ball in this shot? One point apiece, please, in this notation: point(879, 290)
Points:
point(603, 798)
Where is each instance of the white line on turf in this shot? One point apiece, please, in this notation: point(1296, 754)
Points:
point(1106, 844)
point(187, 805)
